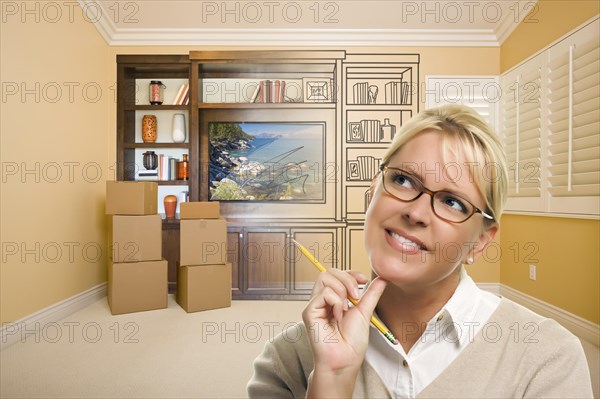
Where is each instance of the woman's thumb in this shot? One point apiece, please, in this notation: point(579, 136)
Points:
point(370, 298)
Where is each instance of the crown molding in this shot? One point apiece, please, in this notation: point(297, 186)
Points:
point(509, 24)
point(119, 36)
point(116, 36)
point(104, 25)
point(297, 37)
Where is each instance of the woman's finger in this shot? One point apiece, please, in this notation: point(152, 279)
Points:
point(327, 303)
point(332, 280)
point(371, 296)
point(358, 276)
point(348, 280)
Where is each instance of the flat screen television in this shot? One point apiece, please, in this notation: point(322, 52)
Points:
point(267, 161)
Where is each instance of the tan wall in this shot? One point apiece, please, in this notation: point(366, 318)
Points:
point(566, 254)
point(54, 218)
point(546, 23)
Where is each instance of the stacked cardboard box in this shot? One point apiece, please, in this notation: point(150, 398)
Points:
point(137, 274)
point(203, 275)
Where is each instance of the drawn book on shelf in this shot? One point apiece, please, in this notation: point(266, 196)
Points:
point(363, 168)
point(360, 93)
point(397, 92)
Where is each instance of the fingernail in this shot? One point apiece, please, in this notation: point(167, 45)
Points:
point(355, 293)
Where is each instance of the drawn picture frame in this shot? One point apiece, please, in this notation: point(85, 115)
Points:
point(316, 90)
point(355, 133)
point(353, 170)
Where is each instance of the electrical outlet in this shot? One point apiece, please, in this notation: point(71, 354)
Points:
point(532, 272)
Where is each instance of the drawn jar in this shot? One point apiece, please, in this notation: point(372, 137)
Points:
point(149, 128)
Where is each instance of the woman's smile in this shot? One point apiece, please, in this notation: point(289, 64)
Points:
point(404, 243)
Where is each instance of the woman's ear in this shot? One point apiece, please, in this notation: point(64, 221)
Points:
point(485, 238)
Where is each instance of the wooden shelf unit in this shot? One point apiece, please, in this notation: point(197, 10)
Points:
point(132, 101)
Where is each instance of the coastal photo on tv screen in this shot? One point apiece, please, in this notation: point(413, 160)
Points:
point(267, 161)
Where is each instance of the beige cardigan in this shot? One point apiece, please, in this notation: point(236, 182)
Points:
point(546, 361)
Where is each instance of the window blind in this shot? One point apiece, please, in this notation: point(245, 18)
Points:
point(550, 124)
point(574, 119)
point(521, 130)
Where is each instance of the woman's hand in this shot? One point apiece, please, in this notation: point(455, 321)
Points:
point(339, 335)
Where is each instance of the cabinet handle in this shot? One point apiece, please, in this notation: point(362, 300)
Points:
point(241, 235)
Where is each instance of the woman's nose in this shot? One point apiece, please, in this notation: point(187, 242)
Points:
point(418, 211)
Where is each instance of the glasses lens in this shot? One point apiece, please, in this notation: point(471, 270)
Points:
point(400, 185)
point(451, 207)
point(446, 205)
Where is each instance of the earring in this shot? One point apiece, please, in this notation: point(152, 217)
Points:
point(470, 260)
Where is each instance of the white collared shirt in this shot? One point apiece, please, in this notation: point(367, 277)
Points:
point(446, 335)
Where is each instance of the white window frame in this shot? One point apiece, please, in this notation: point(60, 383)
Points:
point(585, 207)
point(442, 89)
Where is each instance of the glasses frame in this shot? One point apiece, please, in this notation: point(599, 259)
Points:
point(422, 189)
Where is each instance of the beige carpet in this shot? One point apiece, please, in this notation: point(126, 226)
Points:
point(157, 354)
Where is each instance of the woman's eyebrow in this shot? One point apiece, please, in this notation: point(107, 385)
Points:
point(419, 177)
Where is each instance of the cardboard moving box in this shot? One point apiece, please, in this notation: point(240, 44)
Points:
point(203, 241)
point(136, 238)
point(204, 287)
point(200, 210)
point(131, 198)
point(137, 286)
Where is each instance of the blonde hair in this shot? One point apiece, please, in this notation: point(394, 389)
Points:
point(474, 139)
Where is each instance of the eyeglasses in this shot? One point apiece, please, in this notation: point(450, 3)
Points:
point(446, 205)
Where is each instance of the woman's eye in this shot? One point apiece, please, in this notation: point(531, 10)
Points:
point(402, 180)
point(454, 203)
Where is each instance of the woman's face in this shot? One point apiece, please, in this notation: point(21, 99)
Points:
point(393, 227)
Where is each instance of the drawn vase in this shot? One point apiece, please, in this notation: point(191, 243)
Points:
point(149, 128)
point(178, 132)
point(170, 206)
point(387, 131)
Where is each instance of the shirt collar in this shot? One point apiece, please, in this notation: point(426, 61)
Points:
point(461, 307)
point(459, 310)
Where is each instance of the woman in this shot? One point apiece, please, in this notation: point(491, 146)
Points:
point(435, 205)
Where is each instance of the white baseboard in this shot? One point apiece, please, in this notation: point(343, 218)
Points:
point(494, 288)
point(582, 328)
point(12, 332)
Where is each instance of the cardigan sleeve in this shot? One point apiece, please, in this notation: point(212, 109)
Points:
point(564, 374)
point(282, 369)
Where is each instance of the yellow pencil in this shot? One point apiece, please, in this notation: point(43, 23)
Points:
point(380, 326)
